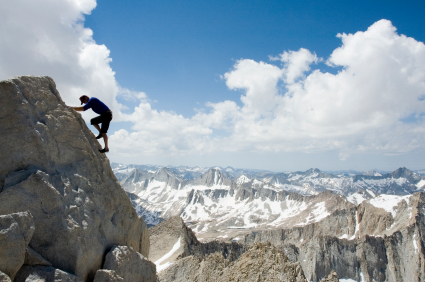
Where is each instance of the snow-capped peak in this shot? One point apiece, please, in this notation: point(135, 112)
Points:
point(242, 179)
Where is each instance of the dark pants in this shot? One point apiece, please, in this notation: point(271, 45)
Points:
point(105, 118)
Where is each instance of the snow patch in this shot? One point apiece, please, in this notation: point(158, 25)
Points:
point(257, 182)
point(160, 267)
point(421, 183)
point(356, 198)
point(371, 193)
point(357, 227)
point(361, 277)
point(318, 213)
point(415, 244)
point(388, 202)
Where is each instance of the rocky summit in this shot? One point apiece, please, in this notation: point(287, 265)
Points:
point(261, 263)
point(63, 214)
point(179, 256)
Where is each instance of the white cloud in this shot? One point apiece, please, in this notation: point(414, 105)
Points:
point(357, 109)
point(47, 37)
point(283, 108)
point(132, 95)
point(296, 63)
point(259, 80)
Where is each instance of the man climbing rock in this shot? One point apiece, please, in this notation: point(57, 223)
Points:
point(105, 117)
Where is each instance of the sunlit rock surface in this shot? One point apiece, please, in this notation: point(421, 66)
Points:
point(52, 168)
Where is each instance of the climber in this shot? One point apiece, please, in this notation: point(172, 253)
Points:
point(105, 117)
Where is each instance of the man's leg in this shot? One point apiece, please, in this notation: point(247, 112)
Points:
point(105, 139)
point(102, 132)
point(97, 127)
point(95, 122)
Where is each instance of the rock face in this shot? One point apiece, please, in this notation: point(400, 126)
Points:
point(130, 265)
point(104, 275)
point(34, 258)
point(44, 273)
point(51, 167)
point(332, 277)
point(262, 262)
point(16, 231)
point(144, 239)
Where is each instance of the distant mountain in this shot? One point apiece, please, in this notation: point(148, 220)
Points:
point(190, 173)
point(121, 170)
point(372, 173)
point(311, 182)
point(215, 203)
point(344, 222)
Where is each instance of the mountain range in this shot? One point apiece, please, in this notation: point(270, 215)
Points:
point(366, 226)
point(311, 182)
point(220, 200)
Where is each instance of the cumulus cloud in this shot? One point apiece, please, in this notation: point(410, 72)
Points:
point(284, 105)
point(296, 63)
point(48, 37)
point(360, 108)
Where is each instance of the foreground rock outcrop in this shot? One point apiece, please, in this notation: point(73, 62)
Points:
point(172, 240)
point(105, 275)
point(29, 273)
point(179, 256)
point(16, 231)
point(262, 262)
point(130, 265)
point(51, 170)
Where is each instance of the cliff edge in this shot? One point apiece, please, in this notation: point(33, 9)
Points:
point(61, 207)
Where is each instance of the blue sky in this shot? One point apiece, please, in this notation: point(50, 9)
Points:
point(278, 85)
point(176, 51)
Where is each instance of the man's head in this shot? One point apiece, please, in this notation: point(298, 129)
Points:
point(84, 99)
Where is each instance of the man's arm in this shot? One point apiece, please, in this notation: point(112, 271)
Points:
point(80, 109)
